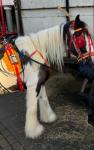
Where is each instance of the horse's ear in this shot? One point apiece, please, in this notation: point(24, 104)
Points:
point(79, 23)
point(77, 19)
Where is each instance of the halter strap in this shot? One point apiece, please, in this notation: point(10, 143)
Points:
point(81, 56)
point(79, 29)
point(39, 52)
point(90, 53)
point(85, 55)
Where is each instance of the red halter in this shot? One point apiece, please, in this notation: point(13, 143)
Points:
point(79, 42)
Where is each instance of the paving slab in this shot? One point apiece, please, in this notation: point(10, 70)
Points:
point(70, 132)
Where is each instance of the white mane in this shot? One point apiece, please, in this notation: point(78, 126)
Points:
point(49, 42)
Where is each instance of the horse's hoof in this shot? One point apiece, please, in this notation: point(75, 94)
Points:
point(49, 119)
point(34, 132)
point(52, 118)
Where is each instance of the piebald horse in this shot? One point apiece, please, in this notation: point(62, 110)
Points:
point(48, 47)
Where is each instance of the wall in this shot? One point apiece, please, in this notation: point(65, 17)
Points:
point(41, 14)
point(8, 2)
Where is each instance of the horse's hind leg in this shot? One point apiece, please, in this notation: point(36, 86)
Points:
point(33, 128)
point(46, 112)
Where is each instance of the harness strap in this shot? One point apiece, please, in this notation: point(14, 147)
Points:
point(77, 48)
point(79, 29)
point(39, 52)
point(41, 55)
point(14, 63)
point(90, 53)
point(85, 55)
point(90, 41)
point(72, 40)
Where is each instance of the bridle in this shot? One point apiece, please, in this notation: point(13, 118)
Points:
point(78, 41)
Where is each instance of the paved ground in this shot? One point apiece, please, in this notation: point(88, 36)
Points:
point(70, 132)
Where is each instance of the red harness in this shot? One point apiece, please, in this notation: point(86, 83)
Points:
point(79, 42)
point(13, 61)
point(87, 54)
point(40, 54)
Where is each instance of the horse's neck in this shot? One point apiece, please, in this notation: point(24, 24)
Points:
point(48, 41)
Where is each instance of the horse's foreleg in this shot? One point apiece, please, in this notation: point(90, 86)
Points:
point(46, 112)
point(33, 128)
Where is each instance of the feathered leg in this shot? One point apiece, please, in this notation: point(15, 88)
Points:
point(33, 128)
point(46, 112)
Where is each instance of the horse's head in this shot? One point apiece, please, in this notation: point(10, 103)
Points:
point(78, 23)
point(77, 38)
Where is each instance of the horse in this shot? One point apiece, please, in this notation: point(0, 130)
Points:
point(44, 51)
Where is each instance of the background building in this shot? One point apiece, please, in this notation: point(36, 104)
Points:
point(41, 14)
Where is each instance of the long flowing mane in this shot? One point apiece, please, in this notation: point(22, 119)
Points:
point(48, 41)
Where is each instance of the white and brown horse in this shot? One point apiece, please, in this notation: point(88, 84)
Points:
point(46, 47)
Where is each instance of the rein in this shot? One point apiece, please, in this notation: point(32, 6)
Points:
point(40, 54)
point(29, 58)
